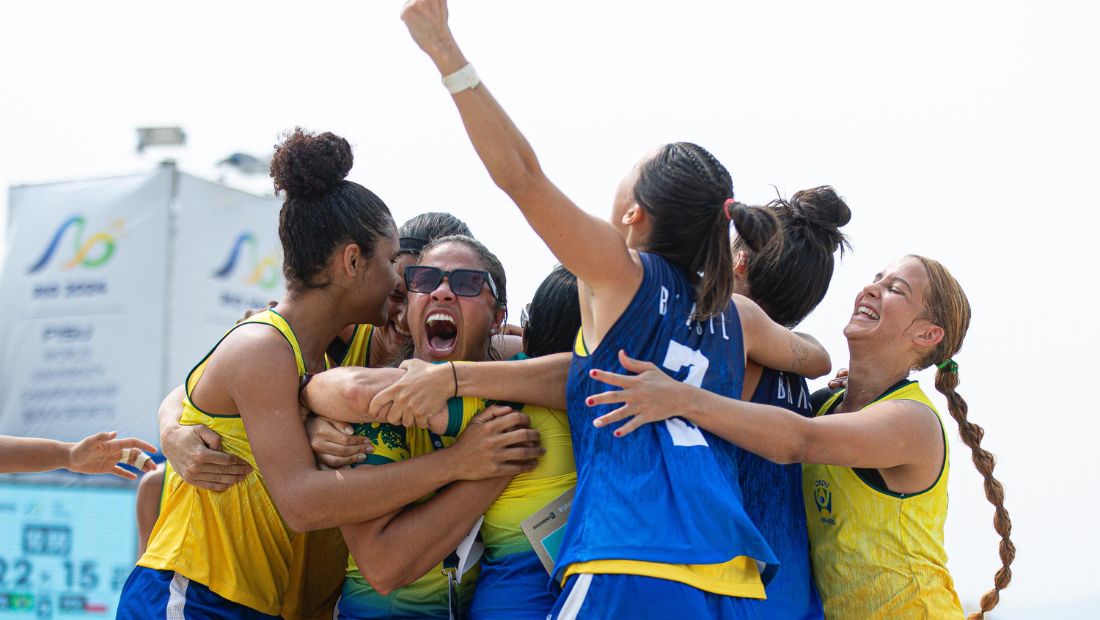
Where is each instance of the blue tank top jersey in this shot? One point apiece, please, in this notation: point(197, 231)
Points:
point(773, 500)
point(662, 493)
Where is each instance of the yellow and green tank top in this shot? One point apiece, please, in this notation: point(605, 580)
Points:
point(234, 542)
point(428, 595)
point(320, 558)
point(877, 554)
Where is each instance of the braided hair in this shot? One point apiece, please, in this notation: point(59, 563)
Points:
point(684, 190)
point(947, 307)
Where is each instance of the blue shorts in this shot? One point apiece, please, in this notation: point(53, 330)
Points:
point(513, 587)
point(633, 596)
point(151, 594)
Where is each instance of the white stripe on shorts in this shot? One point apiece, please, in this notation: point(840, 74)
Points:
point(177, 596)
point(572, 605)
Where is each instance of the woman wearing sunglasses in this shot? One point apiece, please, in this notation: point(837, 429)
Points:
point(456, 304)
point(657, 527)
point(229, 554)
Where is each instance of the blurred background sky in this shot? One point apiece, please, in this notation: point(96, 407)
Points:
point(962, 131)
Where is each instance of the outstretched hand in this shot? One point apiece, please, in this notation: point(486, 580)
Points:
point(101, 453)
point(649, 395)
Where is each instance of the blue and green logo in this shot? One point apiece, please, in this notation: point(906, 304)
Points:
point(91, 253)
point(259, 271)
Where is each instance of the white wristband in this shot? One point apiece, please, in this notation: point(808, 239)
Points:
point(463, 79)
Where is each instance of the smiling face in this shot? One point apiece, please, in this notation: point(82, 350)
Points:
point(445, 326)
point(891, 309)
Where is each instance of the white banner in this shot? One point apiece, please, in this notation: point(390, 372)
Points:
point(227, 259)
point(83, 290)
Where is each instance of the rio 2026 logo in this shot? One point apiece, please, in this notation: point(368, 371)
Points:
point(262, 272)
point(91, 253)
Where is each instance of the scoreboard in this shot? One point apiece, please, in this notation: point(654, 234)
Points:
point(65, 552)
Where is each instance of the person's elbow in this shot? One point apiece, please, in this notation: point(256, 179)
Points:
point(520, 178)
point(384, 577)
point(795, 447)
point(819, 364)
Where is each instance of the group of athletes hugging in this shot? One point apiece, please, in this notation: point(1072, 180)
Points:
point(338, 449)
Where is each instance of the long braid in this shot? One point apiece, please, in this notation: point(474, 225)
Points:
point(948, 308)
point(971, 434)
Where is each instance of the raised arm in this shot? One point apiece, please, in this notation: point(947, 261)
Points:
point(587, 246)
point(771, 345)
point(425, 388)
point(881, 436)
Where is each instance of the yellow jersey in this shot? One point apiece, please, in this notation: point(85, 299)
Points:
point(877, 554)
point(234, 542)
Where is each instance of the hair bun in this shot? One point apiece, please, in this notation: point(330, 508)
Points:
point(307, 164)
point(821, 206)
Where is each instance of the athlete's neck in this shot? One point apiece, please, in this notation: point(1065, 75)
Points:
point(870, 373)
point(316, 321)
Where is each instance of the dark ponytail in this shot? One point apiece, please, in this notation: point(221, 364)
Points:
point(321, 210)
point(947, 307)
point(684, 190)
point(789, 279)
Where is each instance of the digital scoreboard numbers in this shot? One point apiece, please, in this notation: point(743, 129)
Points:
point(64, 552)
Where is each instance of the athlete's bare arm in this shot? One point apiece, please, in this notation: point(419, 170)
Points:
point(896, 435)
point(608, 272)
point(195, 451)
point(771, 345)
point(95, 454)
point(425, 388)
point(266, 397)
point(399, 548)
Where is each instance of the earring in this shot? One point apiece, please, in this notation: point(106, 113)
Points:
point(492, 331)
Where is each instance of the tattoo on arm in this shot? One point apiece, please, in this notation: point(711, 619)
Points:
point(800, 351)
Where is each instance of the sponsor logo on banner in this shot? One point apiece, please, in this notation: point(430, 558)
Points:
point(256, 271)
point(94, 252)
point(260, 273)
point(80, 260)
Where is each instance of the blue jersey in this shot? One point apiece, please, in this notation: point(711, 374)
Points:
point(660, 494)
point(773, 500)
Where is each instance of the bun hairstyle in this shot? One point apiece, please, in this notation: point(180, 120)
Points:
point(789, 280)
point(322, 212)
point(946, 305)
point(684, 190)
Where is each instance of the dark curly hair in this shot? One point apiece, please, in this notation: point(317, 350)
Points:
point(321, 210)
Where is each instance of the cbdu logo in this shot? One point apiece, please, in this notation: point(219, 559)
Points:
point(262, 272)
point(92, 253)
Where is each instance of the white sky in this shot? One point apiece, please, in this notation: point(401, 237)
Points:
point(964, 131)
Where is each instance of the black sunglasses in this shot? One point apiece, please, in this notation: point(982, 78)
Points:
point(463, 282)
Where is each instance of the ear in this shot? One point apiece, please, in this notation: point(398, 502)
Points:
point(741, 262)
point(633, 215)
point(351, 260)
point(928, 336)
point(498, 320)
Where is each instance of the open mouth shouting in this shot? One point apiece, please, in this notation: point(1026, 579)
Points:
point(441, 332)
